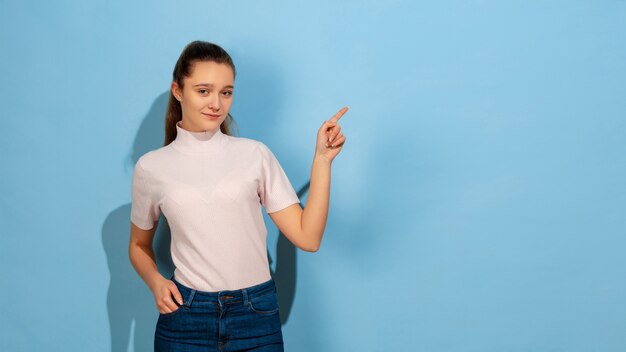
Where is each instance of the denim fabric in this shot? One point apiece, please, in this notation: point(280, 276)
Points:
point(237, 320)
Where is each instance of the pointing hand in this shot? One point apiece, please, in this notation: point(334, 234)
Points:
point(330, 140)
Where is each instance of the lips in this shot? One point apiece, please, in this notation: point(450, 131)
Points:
point(211, 116)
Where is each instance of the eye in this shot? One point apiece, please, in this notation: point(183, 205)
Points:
point(203, 90)
point(228, 93)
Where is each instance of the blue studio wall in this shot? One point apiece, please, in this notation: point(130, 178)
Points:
point(478, 204)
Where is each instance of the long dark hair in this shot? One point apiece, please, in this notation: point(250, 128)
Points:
point(192, 53)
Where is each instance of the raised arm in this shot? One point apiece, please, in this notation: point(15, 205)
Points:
point(305, 227)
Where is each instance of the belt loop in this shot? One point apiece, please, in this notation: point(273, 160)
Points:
point(190, 298)
point(245, 296)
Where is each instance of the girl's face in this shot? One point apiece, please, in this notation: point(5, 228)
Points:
point(206, 96)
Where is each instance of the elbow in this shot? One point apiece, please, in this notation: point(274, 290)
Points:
point(133, 247)
point(306, 241)
point(313, 247)
point(131, 251)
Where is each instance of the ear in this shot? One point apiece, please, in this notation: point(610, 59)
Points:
point(176, 91)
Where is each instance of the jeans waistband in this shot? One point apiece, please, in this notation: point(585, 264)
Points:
point(227, 296)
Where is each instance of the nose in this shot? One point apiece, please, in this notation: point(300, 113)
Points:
point(214, 102)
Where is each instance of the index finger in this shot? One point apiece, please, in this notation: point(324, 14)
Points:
point(339, 113)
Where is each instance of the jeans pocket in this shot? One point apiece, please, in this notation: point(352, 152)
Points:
point(266, 304)
point(181, 307)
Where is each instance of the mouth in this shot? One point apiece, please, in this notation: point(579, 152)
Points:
point(212, 116)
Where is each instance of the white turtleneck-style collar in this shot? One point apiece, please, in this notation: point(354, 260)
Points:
point(198, 142)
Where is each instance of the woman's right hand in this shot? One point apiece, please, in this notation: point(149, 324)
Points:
point(163, 291)
point(141, 256)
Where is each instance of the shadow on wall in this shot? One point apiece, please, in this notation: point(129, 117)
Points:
point(131, 307)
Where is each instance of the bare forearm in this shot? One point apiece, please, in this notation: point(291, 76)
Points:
point(315, 213)
point(142, 259)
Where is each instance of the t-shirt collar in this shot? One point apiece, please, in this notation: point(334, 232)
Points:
point(198, 142)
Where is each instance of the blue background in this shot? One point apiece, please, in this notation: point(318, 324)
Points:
point(478, 204)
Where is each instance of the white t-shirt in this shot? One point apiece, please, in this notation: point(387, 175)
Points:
point(210, 186)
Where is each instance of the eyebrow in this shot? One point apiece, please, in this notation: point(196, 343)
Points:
point(210, 85)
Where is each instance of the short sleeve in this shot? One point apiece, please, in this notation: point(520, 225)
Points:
point(145, 210)
point(275, 190)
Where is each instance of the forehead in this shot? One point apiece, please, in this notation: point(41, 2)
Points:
point(212, 73)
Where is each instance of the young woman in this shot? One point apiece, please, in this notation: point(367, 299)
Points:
point(210, 185)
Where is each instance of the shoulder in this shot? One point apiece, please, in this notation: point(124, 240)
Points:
point(154, 158)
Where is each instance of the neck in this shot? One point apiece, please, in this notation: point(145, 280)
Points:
point(198, 142)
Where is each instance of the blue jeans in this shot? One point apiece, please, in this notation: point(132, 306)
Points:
point(237, 320)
